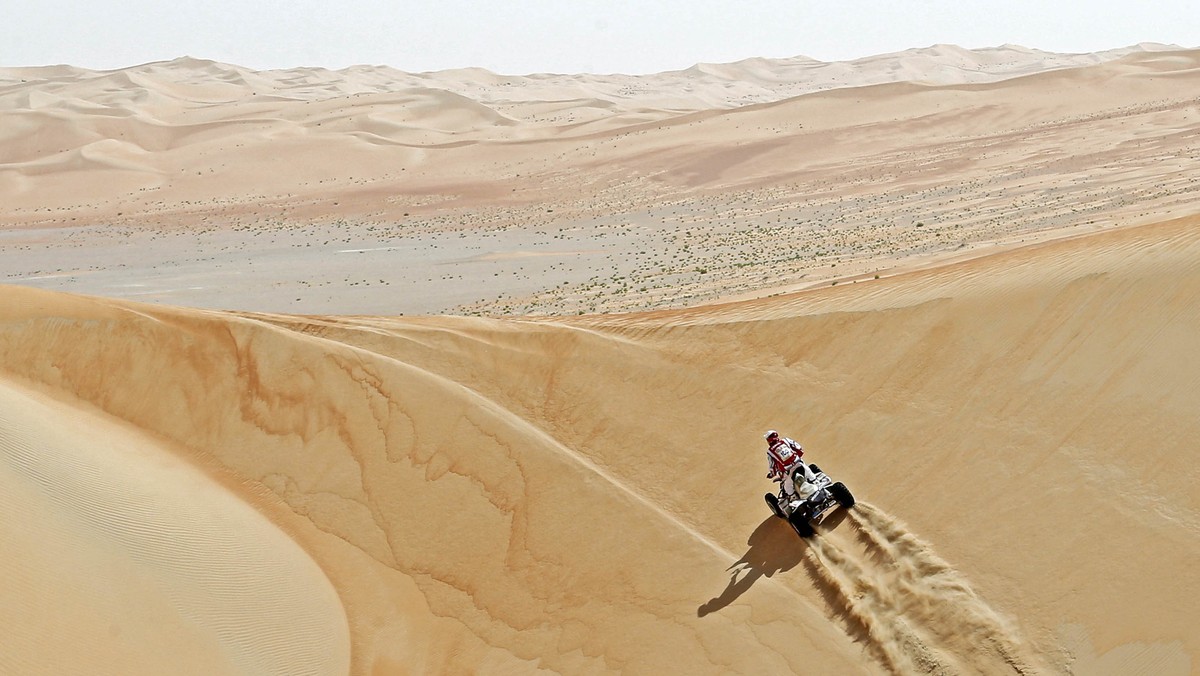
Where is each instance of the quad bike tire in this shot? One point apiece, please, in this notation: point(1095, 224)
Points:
point(814, 468)
point(841, 494)
point(773, 503)
point(801, 525)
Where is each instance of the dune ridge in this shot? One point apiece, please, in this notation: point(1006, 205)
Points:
point(364, 479)
point(749, 81)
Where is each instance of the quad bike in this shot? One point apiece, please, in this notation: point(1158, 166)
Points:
point(802, 513)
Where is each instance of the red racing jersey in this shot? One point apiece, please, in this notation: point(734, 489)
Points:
point(783, 455)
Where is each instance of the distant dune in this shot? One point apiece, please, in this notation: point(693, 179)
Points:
point(635, 192)
point(966, 281)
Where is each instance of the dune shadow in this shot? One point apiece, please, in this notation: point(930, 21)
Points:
point(774, 547)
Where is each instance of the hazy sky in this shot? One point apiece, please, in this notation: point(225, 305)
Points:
point(563, 36)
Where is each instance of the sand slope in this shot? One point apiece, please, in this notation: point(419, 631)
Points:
point(584, 496)
point(123, 559)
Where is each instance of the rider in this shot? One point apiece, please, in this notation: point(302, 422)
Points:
point(783, 457)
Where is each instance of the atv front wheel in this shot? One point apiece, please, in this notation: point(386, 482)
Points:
point(773, 503)
point(842, 494)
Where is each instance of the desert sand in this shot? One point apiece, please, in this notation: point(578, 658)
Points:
point(966, 281)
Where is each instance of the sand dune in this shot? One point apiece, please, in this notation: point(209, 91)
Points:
point(577, 495)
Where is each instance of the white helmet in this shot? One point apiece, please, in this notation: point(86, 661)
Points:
point(770, 435)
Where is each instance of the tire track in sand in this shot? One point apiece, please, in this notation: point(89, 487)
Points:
point(921, 615)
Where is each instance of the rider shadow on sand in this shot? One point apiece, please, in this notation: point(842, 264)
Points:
point(774, 548)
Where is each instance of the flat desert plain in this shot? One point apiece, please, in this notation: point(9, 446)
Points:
point(370, 372)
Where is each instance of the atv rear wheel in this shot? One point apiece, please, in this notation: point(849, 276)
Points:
point(801, 525)
point(842, 494)
point(773, 503)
